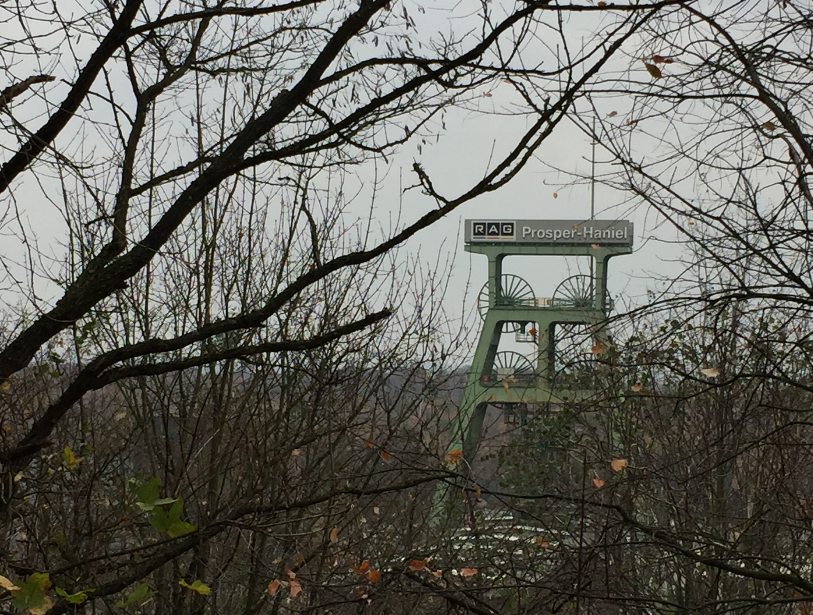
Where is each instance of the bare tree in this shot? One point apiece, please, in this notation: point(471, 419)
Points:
point(682, 487)
point(209, 315)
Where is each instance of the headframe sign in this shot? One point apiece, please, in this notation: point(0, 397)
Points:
point(556, 232)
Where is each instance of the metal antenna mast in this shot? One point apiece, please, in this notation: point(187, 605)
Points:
point(593, 175)
point(593, 183)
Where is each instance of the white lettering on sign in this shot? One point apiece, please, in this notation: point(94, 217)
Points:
point(583, 232)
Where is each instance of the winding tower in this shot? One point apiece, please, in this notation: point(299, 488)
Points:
point(508, 306)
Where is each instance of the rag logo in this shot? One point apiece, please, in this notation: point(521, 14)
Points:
point(493, 229)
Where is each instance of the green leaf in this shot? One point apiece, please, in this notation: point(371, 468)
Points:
point(139, 594)
point(32, 595)
point(196, 586)
point(77, 598)
point(179, 528)
point(147, 494)
point(160, 521)
point(170, 521)
point(176, 510)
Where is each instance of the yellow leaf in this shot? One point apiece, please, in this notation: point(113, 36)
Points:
point(273, 587)
point(618, 464)
point(196, 586)
point(334, 534)
point(454, 456)
point(711, 372)
point(653, 70)
point(69, 458)
point(7, 584)
point(5, 386)
point(416, 565)
point(468, 572)
point(373, 575)
point(541, 542)
point(636, 387)
point(598, 483)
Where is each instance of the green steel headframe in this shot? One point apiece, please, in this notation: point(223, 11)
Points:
point(508, 305)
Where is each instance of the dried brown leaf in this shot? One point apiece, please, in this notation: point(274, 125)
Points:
point(599, 348)
point(8, 585)
point(618, 464)
point(454, 456)
point(416, 565)
point(653, 70)
point(294, 588)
